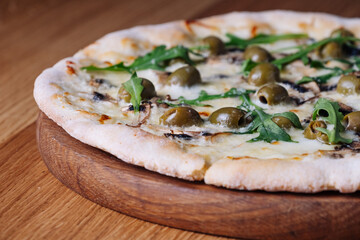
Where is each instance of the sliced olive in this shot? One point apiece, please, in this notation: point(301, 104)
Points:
point(184, 76)
point(311, 132)
point(228, 117)
point(147, 93)
point(181, 117)
point(331, 50)
point(216, 46)
point(264, 73)
point(353, 121)
point(257, 54)
point(348, 85)
point(341, 32)
point(283, 122)
point(272, 94)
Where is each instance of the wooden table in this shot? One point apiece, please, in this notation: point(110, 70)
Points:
point(34, 35)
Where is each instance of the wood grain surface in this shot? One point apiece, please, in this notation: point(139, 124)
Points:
point(34, 35)
point(137, 192)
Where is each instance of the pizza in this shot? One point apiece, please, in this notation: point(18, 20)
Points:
point(246, 100)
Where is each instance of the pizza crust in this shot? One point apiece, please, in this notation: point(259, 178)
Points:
point(279, 175)
point(165, 156)
point(157, 153)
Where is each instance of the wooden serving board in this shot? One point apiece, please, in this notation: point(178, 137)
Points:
point(135, 191)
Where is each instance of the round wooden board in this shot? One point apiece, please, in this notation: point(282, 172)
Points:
point(135, 191)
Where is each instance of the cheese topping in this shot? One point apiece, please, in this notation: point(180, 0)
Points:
point(97, 93)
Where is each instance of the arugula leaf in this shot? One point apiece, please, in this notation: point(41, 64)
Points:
point(280, 50)
point(292, 117)
point(317, 64)
point(260, 39)
point(355, 62)
point(247, 66)
point(303, 52)
point(153, 60)
point(267, 129)
point(263, 124)
point(116, 68)
point(332, 116)
point(134, 88)
point(305, 60)
point(321, 79)
point(247, 105)
point(204, 96)
point(318, 79)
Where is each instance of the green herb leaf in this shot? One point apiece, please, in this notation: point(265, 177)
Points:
point(134, 88)
point(156, 58)
point(153, 60)
point(267, 129)
point(246, 104)
point(247, 66)
point(305, 79)
point(328, 111)
point(321, 79)
point(204, 96)
point(263, 124)
point(292, 117)
point(115, 68)
point(305, 60)
point(260, 39)
point(318, 79)
point(303, 52)
point(316, 64)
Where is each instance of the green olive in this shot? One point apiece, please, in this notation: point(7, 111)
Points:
point(257, 54)
point(272, 94)
point(311, 133)
point(264, 73)
point(341, 32)
point(216, 46)
point(184, 76)
point(147, 93)
point(332, 50)
point(229, 117)
point(353, 121)
point(181, 117)
point(348, 85)
point(283, 122)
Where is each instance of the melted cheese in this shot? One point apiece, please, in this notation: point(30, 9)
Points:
point(212, 148)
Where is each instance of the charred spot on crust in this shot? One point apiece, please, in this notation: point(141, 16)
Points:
point(104, 118)
point(345, 109)
point(354, 147)
point(70, 70)
point(350, 50)
point(327, 88)
point(306, 120)
point(221, 76)
point(234, 49)
point(99, 96)
point(141, 108)
point(295, 86)
point(179, 136)
point(205, 134)
point(99, 80)
point(336, 155)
